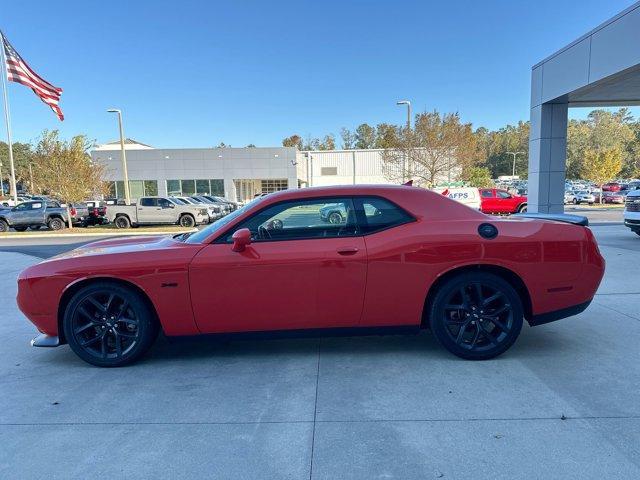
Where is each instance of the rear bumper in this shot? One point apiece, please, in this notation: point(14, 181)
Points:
point(548, 317)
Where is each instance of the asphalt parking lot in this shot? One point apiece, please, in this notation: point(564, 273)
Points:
point(563, 403)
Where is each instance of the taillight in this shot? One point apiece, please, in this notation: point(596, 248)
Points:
point(73, 212)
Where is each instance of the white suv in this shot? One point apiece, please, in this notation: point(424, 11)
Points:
point(632, 211)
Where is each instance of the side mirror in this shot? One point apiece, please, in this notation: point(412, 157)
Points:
point(241, 238)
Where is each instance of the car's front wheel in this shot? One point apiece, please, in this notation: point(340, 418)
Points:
point(335, 218)
point(187, 221)
point(109, 325)
point(476, 316)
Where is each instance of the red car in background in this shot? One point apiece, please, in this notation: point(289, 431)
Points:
point(612, 197)
point(611, 187)
point(497, 201)
point(400, 259)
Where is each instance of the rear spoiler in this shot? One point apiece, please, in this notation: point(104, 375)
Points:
point(557, 217)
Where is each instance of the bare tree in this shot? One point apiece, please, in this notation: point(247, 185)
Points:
point(439, 146)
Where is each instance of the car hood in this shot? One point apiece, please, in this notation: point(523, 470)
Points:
point(119, 245)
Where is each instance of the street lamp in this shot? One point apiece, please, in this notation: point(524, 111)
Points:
point(408, 104)
point(127, 197)
point(404, 158)
point(513, 174)
point(1, 184)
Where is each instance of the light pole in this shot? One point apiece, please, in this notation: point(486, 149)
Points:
point(404, 158)
point(125, 173)
point(1, 183)
point(513, 174)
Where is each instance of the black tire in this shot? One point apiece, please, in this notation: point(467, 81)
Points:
point(20, 228)
point(4, 226)
point(575, 201)
point(109, 325)
point(522, 209)
point(485, 329)
point(122, 221)
point(335, 218)
point(187, 221)
point(55, 224)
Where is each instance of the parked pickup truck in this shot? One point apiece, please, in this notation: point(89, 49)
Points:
point(34, 214)
point(155, 211)
point(496, 201)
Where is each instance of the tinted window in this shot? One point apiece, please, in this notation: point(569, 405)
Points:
point(378, 214)
point(487, 193)
point(502, 194)
point(148, 202)
point(302, 219)
point(164, 203)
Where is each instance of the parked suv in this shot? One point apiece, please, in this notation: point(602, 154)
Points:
point(156, 211)
point(632, 211)
point(34, 214)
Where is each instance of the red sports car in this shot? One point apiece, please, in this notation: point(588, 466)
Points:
point(401, 258)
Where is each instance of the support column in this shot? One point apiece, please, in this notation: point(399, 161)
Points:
point(547, 157)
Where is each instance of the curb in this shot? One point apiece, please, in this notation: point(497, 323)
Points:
point(74, 235)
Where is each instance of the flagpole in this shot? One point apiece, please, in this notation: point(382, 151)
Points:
point(7, 119)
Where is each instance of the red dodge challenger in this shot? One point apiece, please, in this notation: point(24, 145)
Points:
point(398, 259)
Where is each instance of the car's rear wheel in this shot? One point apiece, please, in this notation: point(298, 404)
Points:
point(575, 201)
point(56, 224)
point(187, 221)
point(122, 222)
point(476, 316)
point(4, 226)
point(109, 325)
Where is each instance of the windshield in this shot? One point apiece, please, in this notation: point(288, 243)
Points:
point(218, 225)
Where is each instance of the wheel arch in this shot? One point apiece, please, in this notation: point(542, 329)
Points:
point(509, 275)
point(75, 287)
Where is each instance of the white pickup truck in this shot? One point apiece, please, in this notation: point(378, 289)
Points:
point(157, 211)
point(632, 211)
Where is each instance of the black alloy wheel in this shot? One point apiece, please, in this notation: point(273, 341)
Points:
point(109, 325)
point(476, 316)
point(56, 224)
point(122, 222)
point(187, 221)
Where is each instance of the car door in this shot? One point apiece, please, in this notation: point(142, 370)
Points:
point(168, 213)
point(148, 210)
point(488, 200)
point(505, 202)
point(299, 272)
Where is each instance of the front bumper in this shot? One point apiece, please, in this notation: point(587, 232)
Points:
point(44, 340)
point(632, 224)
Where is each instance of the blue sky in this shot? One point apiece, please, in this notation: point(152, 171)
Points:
point(194, 73)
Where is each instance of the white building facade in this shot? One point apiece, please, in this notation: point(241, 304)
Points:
point(236, 173)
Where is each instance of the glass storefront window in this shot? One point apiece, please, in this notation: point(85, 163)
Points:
point(151, 188)
point(202, 187)
point(217, 187)
point(173, 187)
point(188, 187)
point(136, 189)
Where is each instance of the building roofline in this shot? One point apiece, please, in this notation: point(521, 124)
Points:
point(588, 34)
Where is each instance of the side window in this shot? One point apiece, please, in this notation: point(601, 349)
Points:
point(36, 206)
point(379, 214)
point(163, 202)
point(502, 194)
point(487, 193)
point(23, 206)
point(148, 202)
point(302, 219)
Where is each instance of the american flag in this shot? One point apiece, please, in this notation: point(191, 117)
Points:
point(18, 71)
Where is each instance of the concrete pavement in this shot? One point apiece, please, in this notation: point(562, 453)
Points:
point(563, 403)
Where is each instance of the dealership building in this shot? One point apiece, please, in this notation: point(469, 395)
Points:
point(235, 173)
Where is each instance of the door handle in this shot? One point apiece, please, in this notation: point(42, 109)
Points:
point(347, 250)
